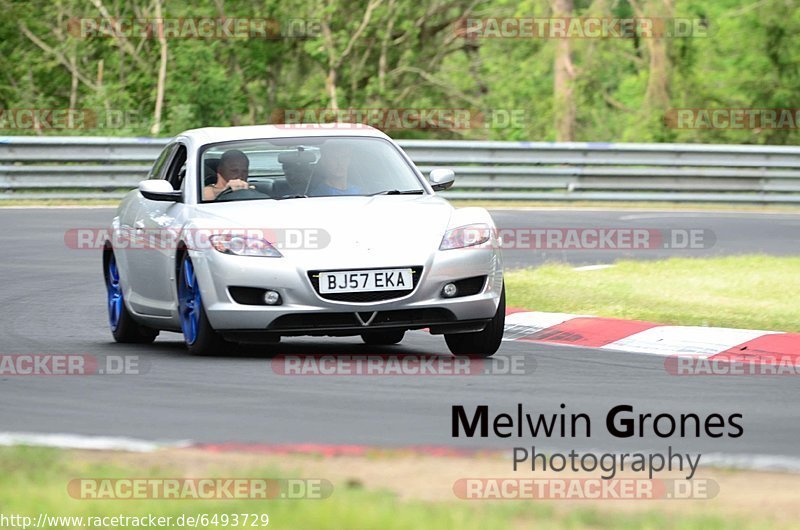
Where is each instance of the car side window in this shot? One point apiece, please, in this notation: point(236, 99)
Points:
point(160, 165)
point(177, 167)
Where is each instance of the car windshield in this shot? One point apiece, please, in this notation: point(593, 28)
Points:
point(289, 168)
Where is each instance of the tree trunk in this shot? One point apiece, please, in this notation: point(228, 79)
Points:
point(658, 78)
point(162, 76)
point(564, 80)
point(330, 88)
point(657, 97)
point(335, 61)
point(73, 89)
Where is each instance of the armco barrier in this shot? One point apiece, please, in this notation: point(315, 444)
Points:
point(97, 167)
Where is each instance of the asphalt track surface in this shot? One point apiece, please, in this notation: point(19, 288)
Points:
point(728, 233)
point(53, 301)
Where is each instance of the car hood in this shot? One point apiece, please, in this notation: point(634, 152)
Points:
point(341, 232)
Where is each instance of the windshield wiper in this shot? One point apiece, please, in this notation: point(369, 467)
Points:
point(399, 192)
point(291, 197)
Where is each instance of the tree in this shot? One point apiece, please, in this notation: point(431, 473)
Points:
point(564, 79)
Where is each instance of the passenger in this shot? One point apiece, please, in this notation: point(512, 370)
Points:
point(333, 168)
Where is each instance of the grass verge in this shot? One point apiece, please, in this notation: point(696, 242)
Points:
point(755, 292)
point(34, 480)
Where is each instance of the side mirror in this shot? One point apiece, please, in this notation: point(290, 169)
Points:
point(159, 190)
point(441, 178)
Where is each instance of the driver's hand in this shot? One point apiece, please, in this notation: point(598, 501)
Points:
point(237, 184)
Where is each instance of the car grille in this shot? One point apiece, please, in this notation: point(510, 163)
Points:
point(366, 297)
point(399, 317)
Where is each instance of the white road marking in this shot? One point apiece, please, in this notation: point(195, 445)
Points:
point(57, 207)
point(759, 462)
point(593, 267)
point(698, 215)
point(688, 340)
point(79, 441)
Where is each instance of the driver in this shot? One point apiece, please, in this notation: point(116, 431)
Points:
point(232, 174)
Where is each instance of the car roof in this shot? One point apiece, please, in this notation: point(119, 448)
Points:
point(208, 135)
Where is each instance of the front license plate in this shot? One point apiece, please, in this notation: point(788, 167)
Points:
point(359, 281)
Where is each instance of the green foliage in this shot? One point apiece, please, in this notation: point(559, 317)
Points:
point(404, 55)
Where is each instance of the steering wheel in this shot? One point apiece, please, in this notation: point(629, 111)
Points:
point(231, 194)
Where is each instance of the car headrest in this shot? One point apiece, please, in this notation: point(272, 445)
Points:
point(210, 166)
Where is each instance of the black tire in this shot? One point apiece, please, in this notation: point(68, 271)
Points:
point(481, 343)
point(124, 328)
point(131, 332)
point(383, 338)
point(208, 341)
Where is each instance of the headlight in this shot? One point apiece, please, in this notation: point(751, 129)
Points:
point(240, 245)
point(466, 236)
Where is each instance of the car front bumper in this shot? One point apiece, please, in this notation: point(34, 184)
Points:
point(304, 311)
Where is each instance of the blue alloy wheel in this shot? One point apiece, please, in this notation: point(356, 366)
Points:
point(189, 300)
point(115, 302)
point(123, 326)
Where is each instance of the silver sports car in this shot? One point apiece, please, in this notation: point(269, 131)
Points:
point(248, 234)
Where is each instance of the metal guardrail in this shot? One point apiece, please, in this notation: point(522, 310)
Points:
point(96, 167)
